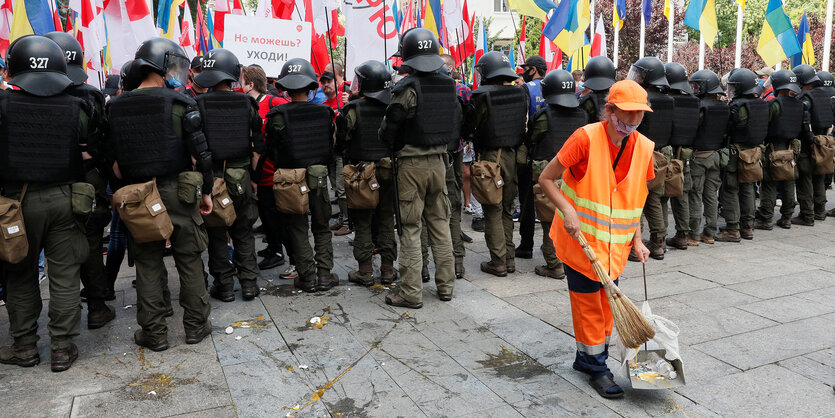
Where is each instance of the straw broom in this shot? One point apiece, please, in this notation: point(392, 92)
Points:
point(633, 327)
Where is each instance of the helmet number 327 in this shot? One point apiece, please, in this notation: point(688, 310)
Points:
point(425, 44)
point(35, 62)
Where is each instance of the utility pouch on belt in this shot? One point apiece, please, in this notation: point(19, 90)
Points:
point(674, 176)
point(141, 209)
point(487, 182)
point(823, 154)
point(749, 168)
point(660, 163)
point(14, 245)
point(724, 157)
point(537, 167)
point(545, 208)
point(223, 210)
point(189, 184)
point(236, 184)
point(781, 164)
point(317, 177)
point(361, 186)
point(290, 190)
point(83, 199)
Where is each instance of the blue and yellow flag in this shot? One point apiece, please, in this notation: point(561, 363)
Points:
point(618, 14)
point(535, 8)
point(579, 59)
point(777, 39)
point(167, 17)
point(432, 20)
point(210, 24)
point(568, 25)
point(807, 53)
point(31, 17)
point(701, 15)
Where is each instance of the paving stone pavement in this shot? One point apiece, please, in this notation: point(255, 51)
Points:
point(757, 339)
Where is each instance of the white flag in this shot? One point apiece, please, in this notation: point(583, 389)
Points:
point(370, 32)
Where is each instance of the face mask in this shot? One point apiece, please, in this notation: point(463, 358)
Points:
point(527, 76)
point(621, 128)
point(173, 83)
point(760, 82)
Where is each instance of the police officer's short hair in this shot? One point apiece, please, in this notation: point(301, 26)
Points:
point(256, 76)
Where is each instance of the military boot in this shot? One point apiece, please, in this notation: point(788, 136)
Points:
point(223, 293)
point(97, 318)
point(831, 212)
point(387, 273)
point(498, 270)
point(785, 222)
point(250, 289)
point(459, 267)
point(746, 232)
point(326, 281)
point(424, 274)
point(820, 215)
point(199, 335)
point(800, 220)
point(364, 276)
point(21, 355)
point(707, 239)
point(656, 246)
point(762, 224)
point(553, 272)
point(63, 359)
point(692, 242)
point(144, 340)
point(307, 284)
point(678, 241)
point(729, 235)
point(510, 265)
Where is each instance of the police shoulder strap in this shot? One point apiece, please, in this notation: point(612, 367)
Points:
point(23, 192)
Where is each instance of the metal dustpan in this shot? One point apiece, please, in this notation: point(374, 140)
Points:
point(644, 379)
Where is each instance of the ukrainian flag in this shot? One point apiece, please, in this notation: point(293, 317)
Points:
point(167, 17)
point(432, 19)
point(31, 17)
point(535, 8)
point(701, 15)
point(210, 23)
point(568, 25)
point(580, 58)
point(777, 39)
point(807, 55)
point(618, 14)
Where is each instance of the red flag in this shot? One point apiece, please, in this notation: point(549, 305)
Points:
point(469, 43)
point(336, 28)
point(318, 50)
point(221, 10)
point(283, 9)
point(57, 20)
point(408, 19)
point(237, 8)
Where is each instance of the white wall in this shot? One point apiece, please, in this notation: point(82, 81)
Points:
point(502, 25)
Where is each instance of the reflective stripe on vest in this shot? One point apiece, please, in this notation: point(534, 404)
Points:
point(609, 212)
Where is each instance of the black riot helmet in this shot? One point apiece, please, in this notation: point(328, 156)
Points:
point(373, 80)
point(806, 75)
point(296, 74)
point(743, 82)
point(558, 89)
point(419, 50)
point(827, 82)
point(131, 75)
point(785, 80)
point(219, 65)
point(648, 71)
point(166, 58)
point(74, 53)
point(495, 66)
point(705, 82)
point(38, 66)
point(599, 74)
point(677, 77)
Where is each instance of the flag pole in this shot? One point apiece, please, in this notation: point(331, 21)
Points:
point(513, 20)
point(385, 52)
point(591, 21)
point(615, 48)
point(701, 51)
point(315, 61)
point(641, 43)
point(672, 19)
point(738, 52)
point(827, 37)
point(460, 57)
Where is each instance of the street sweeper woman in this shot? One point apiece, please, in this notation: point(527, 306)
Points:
point(604, 168)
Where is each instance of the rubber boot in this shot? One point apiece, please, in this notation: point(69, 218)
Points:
point(364, 276)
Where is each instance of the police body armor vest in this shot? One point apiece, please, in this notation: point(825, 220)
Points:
point(755, 131)
point(658, 124)
point(562, 122)
point(365, 144)
point(790, 123)
point(711, 132)
point(507, 109)
point(308, 134)
point(685, 120)
point(39, 141)
point(598, 99)
point(226, 123)
point(142, 130)
point(821, 113)
point(435, 115)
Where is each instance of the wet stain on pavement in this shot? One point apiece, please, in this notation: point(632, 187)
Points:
point(282, 290)
point(155, 386)
point(346, 407)
point(513, 365)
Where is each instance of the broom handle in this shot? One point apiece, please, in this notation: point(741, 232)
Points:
point(646, 298)
point(596, 264)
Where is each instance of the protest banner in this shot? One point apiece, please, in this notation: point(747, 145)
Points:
point(267, 42)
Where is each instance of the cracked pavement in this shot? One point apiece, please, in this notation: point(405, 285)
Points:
point(757, 338)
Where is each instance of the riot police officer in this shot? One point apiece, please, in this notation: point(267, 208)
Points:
point(232, 127)
point(599, 75)
point(550, 127)
point(747, 128)
point(418, 126)
point(811, 191)
point(685, 124)
point(496, 120)
point(156, 132)
point(44, 179)
point(704, 169)
point(357, 126)
point(785, 122)
point(657, 125)
point(96, 289)
point(300, 134)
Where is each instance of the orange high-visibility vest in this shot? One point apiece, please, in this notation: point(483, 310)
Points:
point(609, 212)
